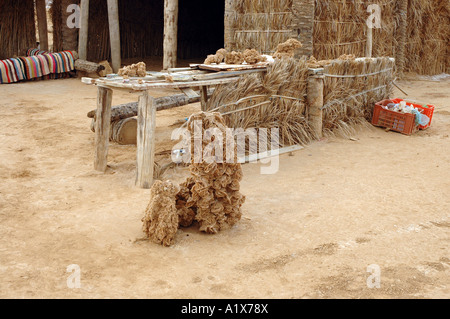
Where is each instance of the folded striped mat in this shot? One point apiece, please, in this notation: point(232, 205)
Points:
point(39, 66)
point(31, 52)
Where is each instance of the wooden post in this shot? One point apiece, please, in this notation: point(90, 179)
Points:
point(84, 27)
point(303, 25)
point(145, 141)
point(401, 37)
point(41, 13)
point(68, 27)
point(369, 43)
point(315, 103)
point(229, 32)
point(102, 128)
point(170, 33)
point(204, 97)
point(114, 34)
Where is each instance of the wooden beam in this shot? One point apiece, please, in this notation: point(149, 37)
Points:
point(145, 141)
point(229, 31)
point(158, 84)
point(204, 97)
point(170, 33)
point(41, 13)
point(303, 25)
point(369, 43)
point(315, 103)
point(102, 128)
point(87, 66)
point(114, 34)
point(401, 38)
point(225, 74)
point(268, 154)
point(84, 28)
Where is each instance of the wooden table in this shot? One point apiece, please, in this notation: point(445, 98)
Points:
point(147, 111)
point(146, 121)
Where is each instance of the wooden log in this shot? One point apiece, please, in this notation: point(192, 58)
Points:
point(170, 34)
point(123, 111)
point(123, 132)
point(146, 141)
point(89, 67)
point(41, 13)
point(114, 34)
point(315, 103)
point(84, 27)
point(102, 128)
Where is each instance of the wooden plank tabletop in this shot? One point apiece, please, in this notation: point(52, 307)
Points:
point(167, 85)
point(231, 67)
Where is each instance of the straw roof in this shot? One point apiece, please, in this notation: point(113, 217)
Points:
point(340, 28)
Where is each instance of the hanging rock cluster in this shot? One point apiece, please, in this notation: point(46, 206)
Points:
point(134, 70)
point(249, 56)
point(287, 49)
point(210, 196)
point(215, 192)
point(217, 58)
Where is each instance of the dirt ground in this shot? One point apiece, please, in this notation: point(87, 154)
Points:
point(310, 231)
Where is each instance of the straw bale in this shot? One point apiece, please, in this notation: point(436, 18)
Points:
point(350, 100)
point(287, 80)
point(428, 37)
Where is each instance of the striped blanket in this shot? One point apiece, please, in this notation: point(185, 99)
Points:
point(31, 52)
point(40, 66)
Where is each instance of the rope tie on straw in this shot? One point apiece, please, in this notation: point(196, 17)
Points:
point(352, 96)
point(356, 75)
point(256, 105)
point(343, 43)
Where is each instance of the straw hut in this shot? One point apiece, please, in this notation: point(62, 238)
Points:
point(415, 32)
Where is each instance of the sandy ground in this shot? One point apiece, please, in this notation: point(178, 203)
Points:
point(309, 231)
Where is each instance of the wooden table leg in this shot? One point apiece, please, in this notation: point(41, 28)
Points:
point(102, 128)
point(204, 97)
point(146, 141)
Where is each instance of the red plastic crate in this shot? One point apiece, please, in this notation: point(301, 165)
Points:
point(426, 111)
point(404, 123)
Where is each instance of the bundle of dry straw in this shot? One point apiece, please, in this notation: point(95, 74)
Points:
point(274, 100)
point(262, 24)
point(351, 89)
point(340, 28)
point(428, 36)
